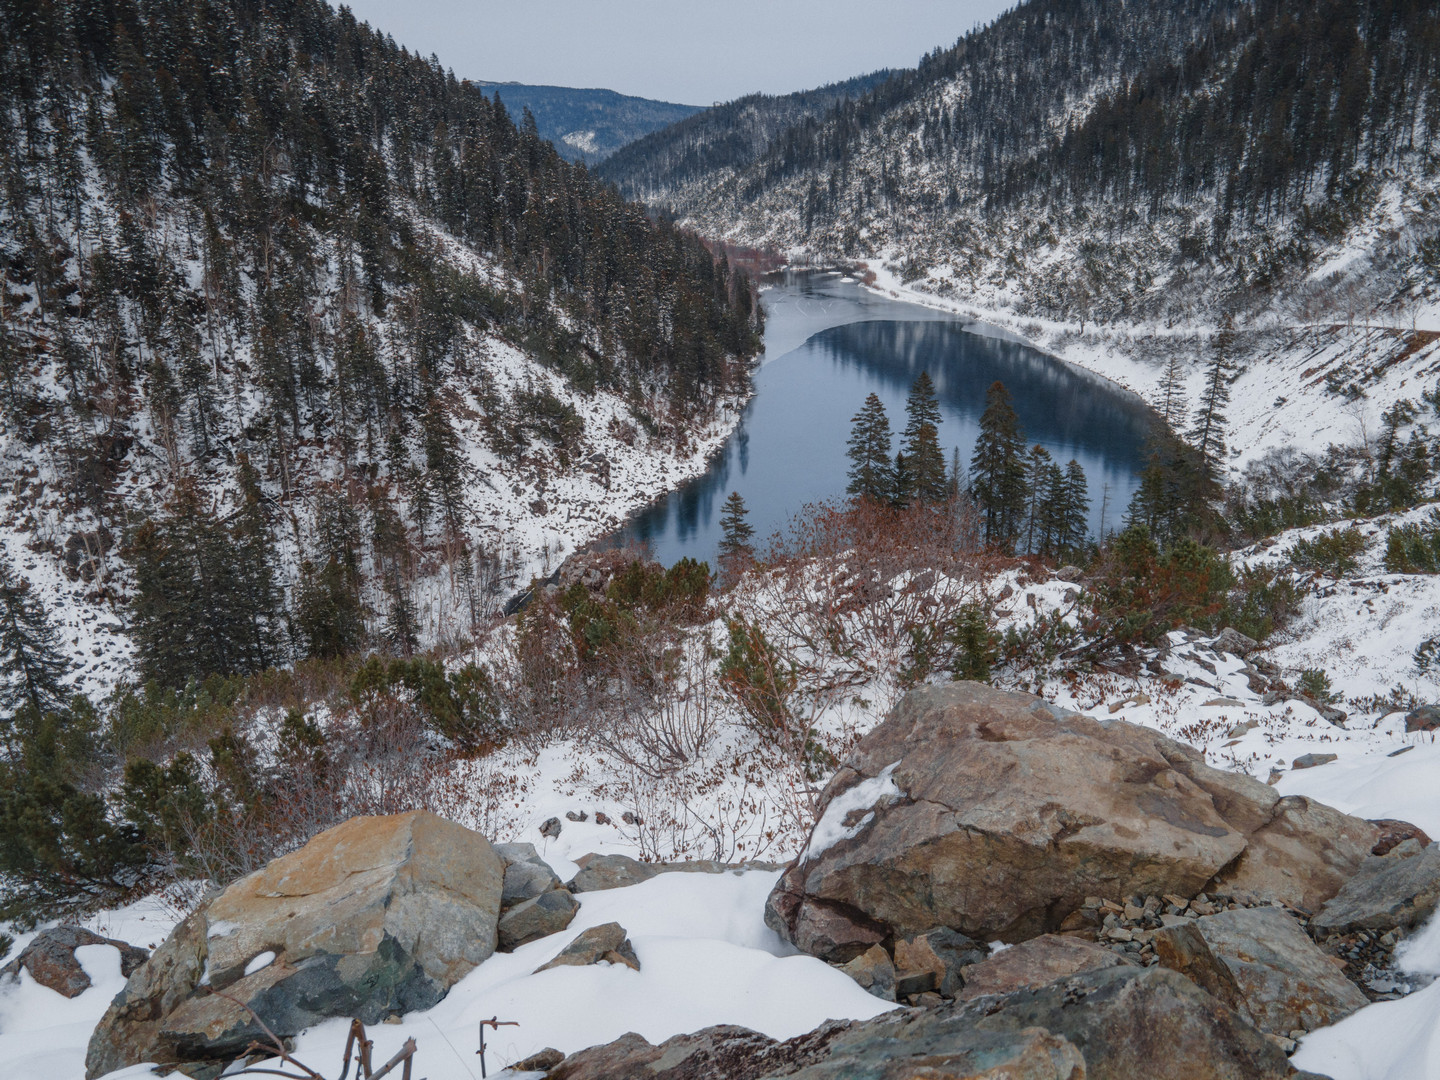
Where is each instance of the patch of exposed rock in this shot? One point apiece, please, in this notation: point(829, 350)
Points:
point(50, 959)
point(996, 814)
point(1117, 1023)
point(377, 916)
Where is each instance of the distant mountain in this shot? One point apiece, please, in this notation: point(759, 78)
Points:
point(587, 125)
point(729, 136)
point(1089, 160)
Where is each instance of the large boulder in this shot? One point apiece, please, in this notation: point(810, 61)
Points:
point(1260, 963)
point(1388, 893)
point(377, 916)
point(1114, 1024)
point(50, 959)
point(996, 814)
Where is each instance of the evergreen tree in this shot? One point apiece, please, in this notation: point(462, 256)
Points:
point(923, 459)
point(1207, 435)
point(30, 658)
point(871, 474)
point(1170, 401)
point(328, 613)
point(1074, 520)
point(1040, 508)
point(206, 601)
point(736, 532)
point(997, 469)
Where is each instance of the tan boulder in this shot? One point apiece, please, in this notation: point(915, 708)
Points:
point(1261, 963)
point(996, 814)
point(1034, 963)
point(376, 916)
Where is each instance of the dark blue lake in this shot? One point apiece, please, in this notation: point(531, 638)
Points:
point(829, 343)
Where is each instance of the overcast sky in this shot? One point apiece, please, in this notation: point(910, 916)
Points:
point(690, 51)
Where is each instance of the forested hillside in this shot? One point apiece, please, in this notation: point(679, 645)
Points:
point(304, 344)
point(1097, 160)
point(588, 125)
point(732, 135)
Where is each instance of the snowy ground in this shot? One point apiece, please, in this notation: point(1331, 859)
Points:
point(1279, 400)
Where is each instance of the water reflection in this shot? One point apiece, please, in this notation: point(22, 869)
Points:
point(790, 447)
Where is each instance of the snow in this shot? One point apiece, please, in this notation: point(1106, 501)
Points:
point(1390, 1040)
point(706, 957)
point(264, 960)
point(831, 829)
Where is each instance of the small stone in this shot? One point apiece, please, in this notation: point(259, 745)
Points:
point(1425, 718)
point(1232, 641)
point(543, 1061)
point(576, 815)
point(606, 943)
point(1309, 761)
point(630, 818)
point(602, 818)
point(551, 828)
point(1244, 727)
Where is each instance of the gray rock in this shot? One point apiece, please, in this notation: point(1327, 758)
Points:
point(50, 959)
point(1328, 712)
point(377, 916)
point(1036, 962)
point(538, 917)
point(1387, 893)
point(599, 872)
point(1425, 718)
point(526, 874)
point(576, 815)
point(934, 961)
point(1115, 1024)
point(1309, 761)
point(874, 971)
point(1071, 574)
point(1232, 641)
point(606, 943)
point(1002, 813)
point(550, 827)
point(1260, 962)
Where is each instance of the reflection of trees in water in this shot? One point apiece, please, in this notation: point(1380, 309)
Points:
point(1057, 403)
point(1072, 412)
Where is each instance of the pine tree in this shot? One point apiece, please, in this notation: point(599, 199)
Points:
point(871, 474)
point(1075, 520)
point(1039, 506)
point(30, 658)
point(997, 468)
point(736, 532)
point(924, 461)
point(1207, 435)
point(1170, 400)
point(328, 613)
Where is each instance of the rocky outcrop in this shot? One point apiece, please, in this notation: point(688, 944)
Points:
point(50, 959)
point(604, 944)
point(533, 903)
point(377, 916)
point(599, 872)
point(1113, 1024)
point(1260, 963)
point(538, 917)
point(1036, 962)
point(996, 814)
point(1388, 893)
